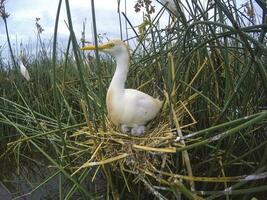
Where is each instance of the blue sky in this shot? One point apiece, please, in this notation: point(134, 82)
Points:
point(21, 22)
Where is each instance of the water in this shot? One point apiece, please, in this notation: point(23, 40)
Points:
point(21, 186)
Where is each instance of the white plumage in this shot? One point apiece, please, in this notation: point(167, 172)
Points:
point(129, 108)
point(24, 71)
point(171, 5)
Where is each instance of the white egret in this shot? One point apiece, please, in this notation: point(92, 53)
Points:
point(171, 5)
point(23, 70)
point(129, 108)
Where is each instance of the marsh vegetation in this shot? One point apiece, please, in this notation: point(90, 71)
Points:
point(208, 64)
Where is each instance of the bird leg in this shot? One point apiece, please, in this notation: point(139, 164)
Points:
point(138, 130)
point(125, 128)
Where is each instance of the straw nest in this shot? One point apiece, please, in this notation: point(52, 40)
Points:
point(149, 155)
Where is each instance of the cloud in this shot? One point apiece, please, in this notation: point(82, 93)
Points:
point(21, 22)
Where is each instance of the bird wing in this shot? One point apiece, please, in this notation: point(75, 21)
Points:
point(141, 107)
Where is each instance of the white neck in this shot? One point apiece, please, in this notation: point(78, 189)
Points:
point(120, 75)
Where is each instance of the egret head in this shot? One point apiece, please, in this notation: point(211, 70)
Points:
point(113, 47)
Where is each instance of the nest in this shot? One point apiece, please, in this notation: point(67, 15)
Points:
point(115, 148)
point(149, 155)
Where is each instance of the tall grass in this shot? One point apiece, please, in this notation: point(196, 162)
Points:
point(209, 66)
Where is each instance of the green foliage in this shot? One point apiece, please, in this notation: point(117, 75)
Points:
point(209, 59)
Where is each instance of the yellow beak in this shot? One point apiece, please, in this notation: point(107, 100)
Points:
point(100, 47)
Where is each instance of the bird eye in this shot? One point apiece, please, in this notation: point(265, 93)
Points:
point(111, 45)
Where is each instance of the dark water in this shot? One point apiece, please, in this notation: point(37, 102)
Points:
point(20, 186)
point(17, 188)
point(4, 194)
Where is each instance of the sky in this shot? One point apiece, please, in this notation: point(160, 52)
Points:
point(21, 22)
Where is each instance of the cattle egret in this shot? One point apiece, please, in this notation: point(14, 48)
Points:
point(24, 71)
point(129, 108)
point(172, 6)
